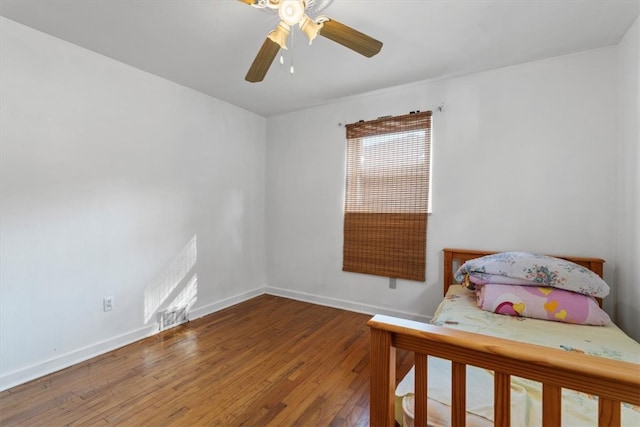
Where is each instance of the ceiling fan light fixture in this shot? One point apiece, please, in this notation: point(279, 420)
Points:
point(259, 4)
point(280, 34)
point(310, 27)
point(291, 11)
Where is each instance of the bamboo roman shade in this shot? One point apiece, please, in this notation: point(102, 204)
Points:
point(386, 198)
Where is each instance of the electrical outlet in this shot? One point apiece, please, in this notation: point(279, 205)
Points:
point(107, 303)
point(392, 283)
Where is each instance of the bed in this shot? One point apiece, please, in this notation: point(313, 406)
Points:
point(485, 369)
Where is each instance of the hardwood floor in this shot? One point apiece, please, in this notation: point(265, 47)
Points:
point(267, 361)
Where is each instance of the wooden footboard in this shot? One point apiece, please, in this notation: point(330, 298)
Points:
point(612, 381)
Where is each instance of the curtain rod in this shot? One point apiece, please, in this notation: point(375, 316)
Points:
point(439, 108)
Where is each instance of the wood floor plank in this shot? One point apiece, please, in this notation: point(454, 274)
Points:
point(266, 361)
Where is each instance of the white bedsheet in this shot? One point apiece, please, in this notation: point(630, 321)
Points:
point(479, 396)
point(458, 310)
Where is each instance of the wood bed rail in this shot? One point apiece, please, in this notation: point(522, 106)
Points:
point(614, 382)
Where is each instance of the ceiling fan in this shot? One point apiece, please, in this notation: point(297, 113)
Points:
point(292, 12)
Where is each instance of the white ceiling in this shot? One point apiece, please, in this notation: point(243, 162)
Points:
point(208, 45)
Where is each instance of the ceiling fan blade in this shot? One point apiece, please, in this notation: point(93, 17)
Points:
point(351, 38)
point(262, 61)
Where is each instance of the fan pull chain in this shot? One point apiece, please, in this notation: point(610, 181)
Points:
point(281, 60)
point(291, 70)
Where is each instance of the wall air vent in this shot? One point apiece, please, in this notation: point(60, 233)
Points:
point(172, 317)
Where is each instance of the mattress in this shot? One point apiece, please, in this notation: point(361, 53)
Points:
point(458, 310)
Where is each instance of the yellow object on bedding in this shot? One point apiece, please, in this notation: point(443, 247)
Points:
point(459, 311)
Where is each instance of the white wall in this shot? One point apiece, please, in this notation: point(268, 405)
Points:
point(115, 182)
point(524, 159)
point(628, 185)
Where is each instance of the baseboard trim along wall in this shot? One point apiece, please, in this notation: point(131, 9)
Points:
point(227, 302)
point(63, 361)
point(344, 304)
point(50, 366)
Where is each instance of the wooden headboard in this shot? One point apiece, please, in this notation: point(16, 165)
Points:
point(454, 258)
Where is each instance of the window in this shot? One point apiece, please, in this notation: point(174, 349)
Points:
point(387, 196)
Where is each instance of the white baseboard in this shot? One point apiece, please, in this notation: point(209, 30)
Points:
point(38, 370)
point(63, 361)
point(344, 304)
point(227, 302)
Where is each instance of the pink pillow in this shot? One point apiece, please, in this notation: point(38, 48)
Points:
point(541, 303)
